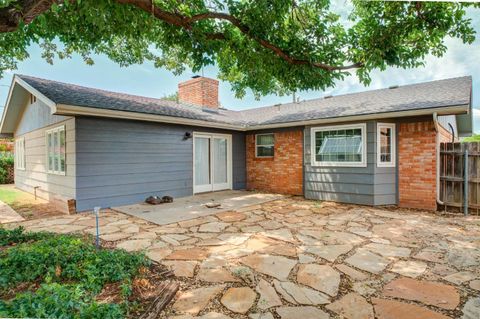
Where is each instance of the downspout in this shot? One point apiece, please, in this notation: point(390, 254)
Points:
point(437, 150)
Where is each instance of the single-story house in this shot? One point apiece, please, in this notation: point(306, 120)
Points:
point(83, 147)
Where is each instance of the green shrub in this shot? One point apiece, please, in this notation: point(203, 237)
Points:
point(18, 235)
point(473, 138)
point(71, 270)
point(6, 164)
point(67, 257)
point(58, 301)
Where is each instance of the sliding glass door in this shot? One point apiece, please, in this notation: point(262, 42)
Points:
point(212, 162)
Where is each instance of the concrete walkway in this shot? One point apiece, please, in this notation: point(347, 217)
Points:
point(195, 206)
point(8, 215)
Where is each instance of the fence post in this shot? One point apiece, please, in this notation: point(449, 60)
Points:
point(465, 183)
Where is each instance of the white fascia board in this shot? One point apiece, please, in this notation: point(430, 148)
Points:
point(32, 90)
point(63, 109)
point(9, 97)
point(449, 110)
point(72, 110)
point(18, 81)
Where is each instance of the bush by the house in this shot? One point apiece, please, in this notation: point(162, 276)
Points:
point(61, 275)
point(6, 168)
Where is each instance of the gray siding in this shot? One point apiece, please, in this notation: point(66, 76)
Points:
point(122, 162)
point(385, 181)
point(36, 116)
point(370, 185)
point(35, 120)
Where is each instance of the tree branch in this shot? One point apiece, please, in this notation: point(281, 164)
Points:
point(26, 10)
point(186, 23)
point(22, 11)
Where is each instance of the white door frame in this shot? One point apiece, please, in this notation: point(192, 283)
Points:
point(213, 187)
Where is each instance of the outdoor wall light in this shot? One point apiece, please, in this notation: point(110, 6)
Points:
point(187, 136)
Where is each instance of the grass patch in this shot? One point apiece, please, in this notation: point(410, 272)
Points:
point(61, 276)
point(9, 195)
point(25, 203)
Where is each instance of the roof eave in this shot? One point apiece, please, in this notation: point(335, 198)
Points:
point(444, 110)
point(16, 80)
point(74, 110)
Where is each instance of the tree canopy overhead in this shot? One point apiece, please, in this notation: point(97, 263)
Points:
point(268, 46)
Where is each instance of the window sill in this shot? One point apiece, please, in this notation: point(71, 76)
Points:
point(56, 173)
point(386, 165)
point(336, 164)
point(264, 158)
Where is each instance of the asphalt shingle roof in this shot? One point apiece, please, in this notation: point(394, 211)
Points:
point(441, 93)
point(70, 94)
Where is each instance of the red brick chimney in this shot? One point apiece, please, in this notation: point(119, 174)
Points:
point(199, 91)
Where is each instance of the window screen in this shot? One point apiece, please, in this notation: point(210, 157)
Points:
point(265, 144)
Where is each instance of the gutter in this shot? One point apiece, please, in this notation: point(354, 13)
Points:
point(437, 146)
point(73, 110)
point(442, 110)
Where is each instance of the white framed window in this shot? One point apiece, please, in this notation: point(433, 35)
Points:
point(55, 150)
point(340, 145)
point(20, 153)
point(264, 145)
point(386, 145)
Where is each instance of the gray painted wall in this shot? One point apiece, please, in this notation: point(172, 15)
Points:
point(370, 185)
point(36, 116)
point(122, 162)
point(33, 123)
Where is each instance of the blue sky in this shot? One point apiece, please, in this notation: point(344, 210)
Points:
point(460, 60)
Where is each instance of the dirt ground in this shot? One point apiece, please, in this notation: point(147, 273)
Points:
point(26, 204)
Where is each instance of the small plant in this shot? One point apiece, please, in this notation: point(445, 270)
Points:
point(58, 301)
point(70, 271)
point(17, 235)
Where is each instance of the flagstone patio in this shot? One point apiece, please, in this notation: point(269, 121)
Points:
point(294, 258)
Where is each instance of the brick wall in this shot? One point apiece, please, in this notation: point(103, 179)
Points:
point(445, 135)
point(199, 91)
point(417, 164)
point(282, 173)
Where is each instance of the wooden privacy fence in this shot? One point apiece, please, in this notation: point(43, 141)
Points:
point(460, 177)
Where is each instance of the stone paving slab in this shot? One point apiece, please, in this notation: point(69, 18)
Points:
point(8, 215)
point(391, 309)
point(430, 293)
point(295, 258)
